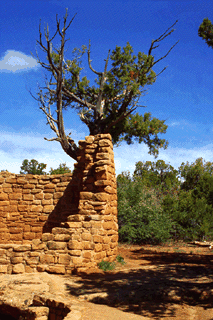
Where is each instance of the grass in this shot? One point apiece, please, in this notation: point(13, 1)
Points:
point(108, 266)
point(120, 259)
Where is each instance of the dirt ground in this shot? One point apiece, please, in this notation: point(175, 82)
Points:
point(172, 281)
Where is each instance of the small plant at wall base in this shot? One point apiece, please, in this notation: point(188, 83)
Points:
point(120, 260)
point(106, 265)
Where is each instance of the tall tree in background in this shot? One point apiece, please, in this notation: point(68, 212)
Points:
point(60, 170)
point(193, 172)
point(107, 105)
point(158, 175)
point(205, 31)
point(192, 212)
point(33, 167)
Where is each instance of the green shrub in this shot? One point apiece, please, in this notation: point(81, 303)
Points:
point(60, 170)
point(192, 217)
point(155, 206)
point(33, 167)
point(140, 220)
point(106, 265)
point(120, 260)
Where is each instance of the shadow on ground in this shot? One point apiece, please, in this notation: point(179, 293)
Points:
point(177, 278)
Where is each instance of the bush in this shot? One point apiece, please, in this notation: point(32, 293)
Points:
point(192, 217)
point(120, 260)
point(60, 170)
point(106, 265)
point(155, 206)
point(33, 167)
point(140, 219)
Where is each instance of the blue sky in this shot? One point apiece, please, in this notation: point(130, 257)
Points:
point(181, 95)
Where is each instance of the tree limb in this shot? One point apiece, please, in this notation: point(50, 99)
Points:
point(89, 61)
point(165, 54)
point(99, 105)
point(163, 36)
point(52, 139)
point(124, 115)
point(77, 99)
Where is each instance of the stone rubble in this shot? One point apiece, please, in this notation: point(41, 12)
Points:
point(37, 297)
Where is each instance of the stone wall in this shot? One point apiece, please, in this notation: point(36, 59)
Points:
point(61, 222)
point(31, 204)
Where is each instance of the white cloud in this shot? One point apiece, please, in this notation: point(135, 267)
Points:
point(15, 147)
point(175, 124)
point(127, 156)
point(15, 61)
point(19, 147)
point(182, 123)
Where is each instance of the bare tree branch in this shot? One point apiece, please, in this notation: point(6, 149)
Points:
point(99, 107)
point(57, 70)
point(166, 53)
point(163, 36)
point(77, 99)
point(89, 61)
point(53, 139)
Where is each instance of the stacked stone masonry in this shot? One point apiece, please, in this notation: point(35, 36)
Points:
point(42, 307)
point(58, 223)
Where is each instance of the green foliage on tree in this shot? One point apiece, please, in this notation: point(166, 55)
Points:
point(204, 189)
point(140, 220)
point(205, 31)
point(193, 172)
point(105, 106)
point(33, 167)
point(158, 175)
point(192, 211)
point(155, 206)
point(60, 170)
point(192, 216)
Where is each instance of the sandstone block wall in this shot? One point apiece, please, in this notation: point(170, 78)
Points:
point(65, 221)
point(31, 204)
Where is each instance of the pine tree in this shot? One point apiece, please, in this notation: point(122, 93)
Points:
point(33, 167)
point(108, 104)
point(60, 170)
point(205, 31)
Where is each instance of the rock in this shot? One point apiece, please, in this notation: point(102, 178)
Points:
point(18, 268)
point(34, 296)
